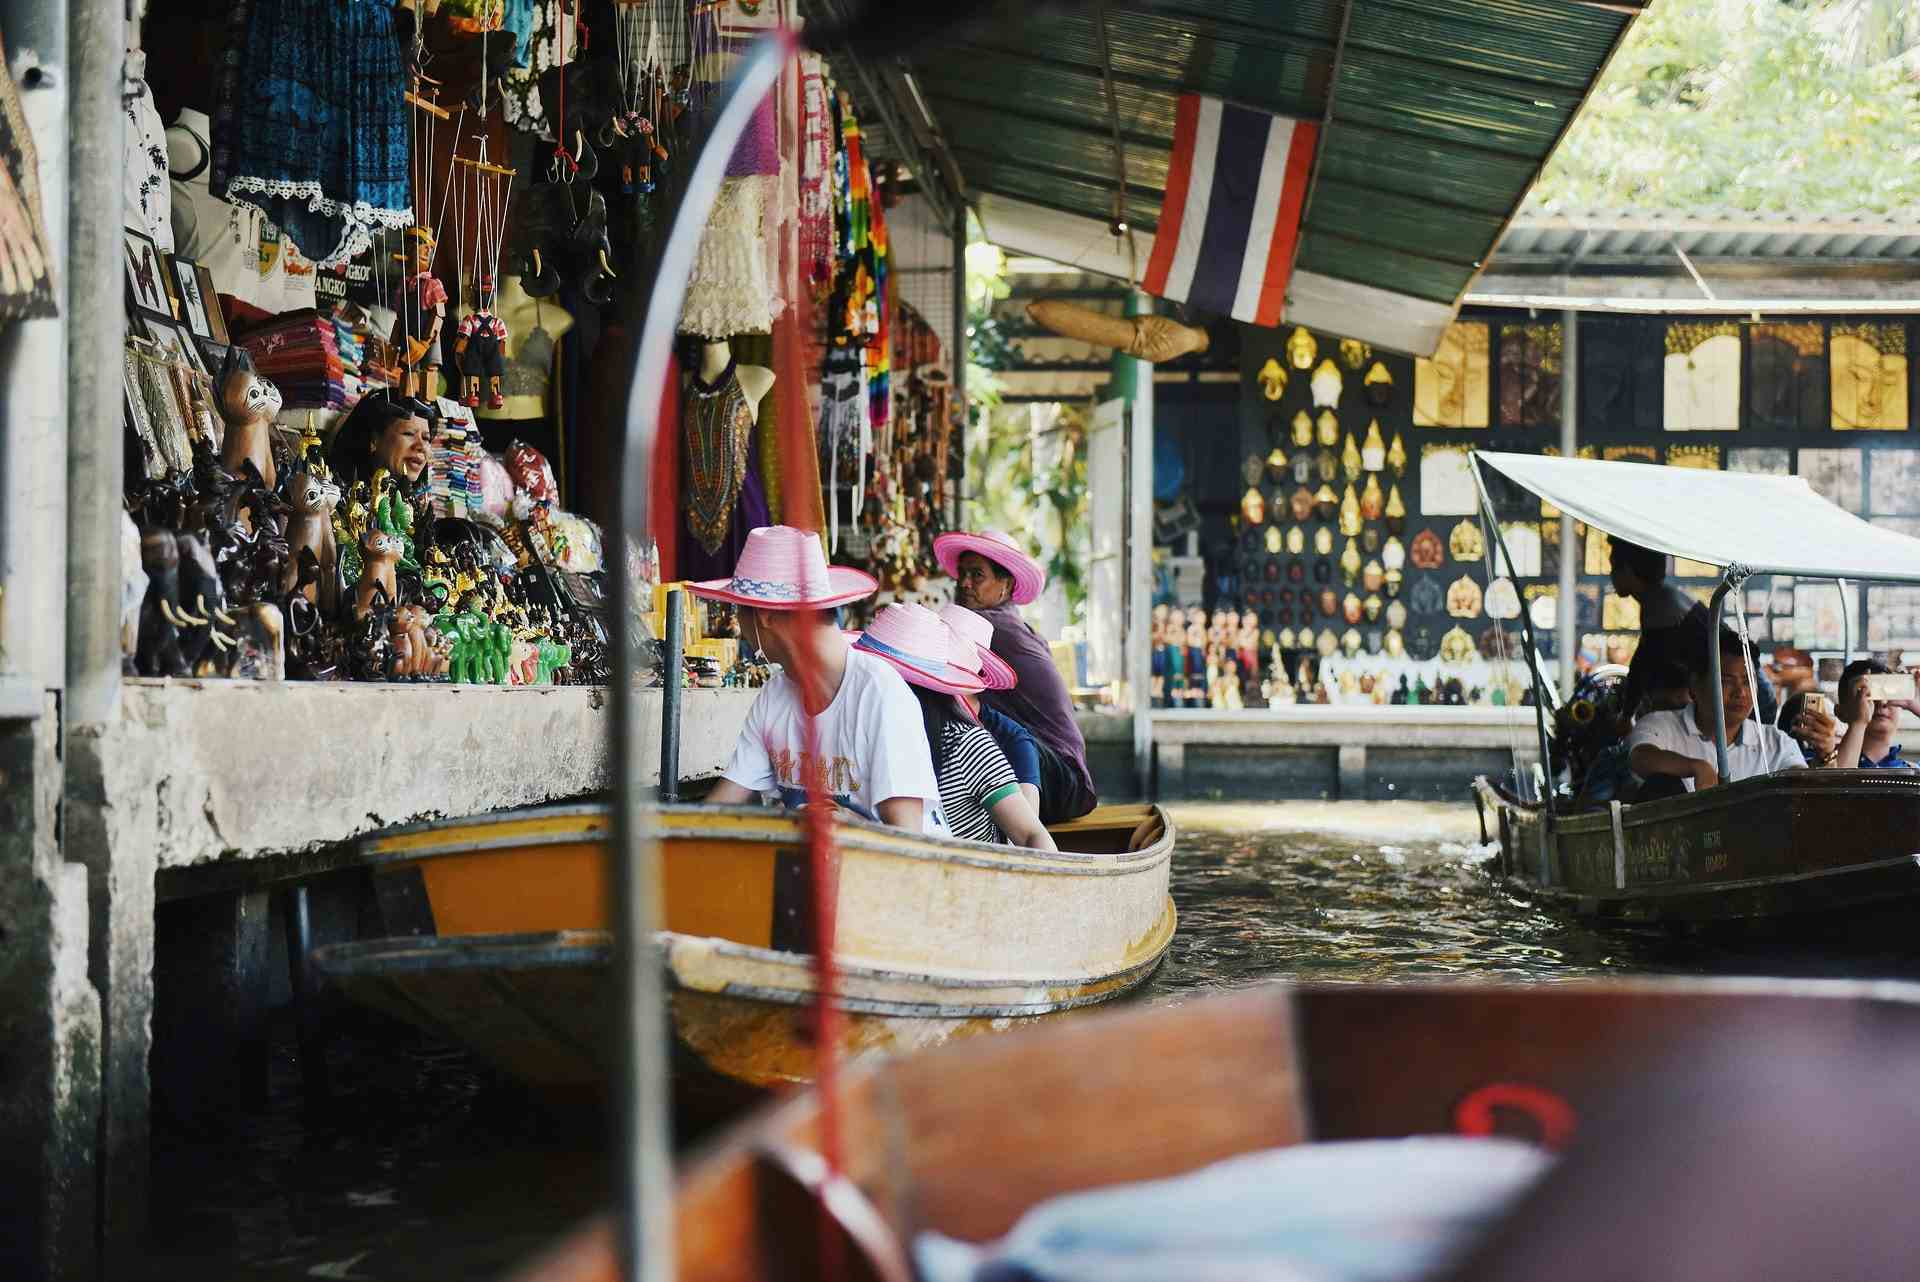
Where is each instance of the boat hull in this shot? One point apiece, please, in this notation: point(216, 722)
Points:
point(499, 936)
point(1800, 846)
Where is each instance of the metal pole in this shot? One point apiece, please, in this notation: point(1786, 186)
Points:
point(1526, 632)
point(962, 353)
point(1718, 610)
point(1569, 644)
point(644, 1156)
point(313, 1052)
point(672, 682)
point(1846, 624)
point(1139, 652)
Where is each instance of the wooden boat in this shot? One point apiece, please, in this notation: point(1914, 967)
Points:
point(498, 934)
point(1796, 844)
point(965, 1139)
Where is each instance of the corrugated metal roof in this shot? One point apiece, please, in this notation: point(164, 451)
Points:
point(1615, 236)
point(1441, 113)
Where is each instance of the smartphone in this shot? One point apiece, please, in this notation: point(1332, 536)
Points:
point(1885, 686)
point(1816, 701)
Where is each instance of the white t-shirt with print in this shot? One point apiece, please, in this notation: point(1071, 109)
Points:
point(1759, 750)
point(871, 734)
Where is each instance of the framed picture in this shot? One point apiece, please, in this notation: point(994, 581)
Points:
point(175, 343)
point(147, 287)
point(749, 17)
point(199, 304)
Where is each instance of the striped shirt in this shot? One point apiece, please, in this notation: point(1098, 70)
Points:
point(974, 778)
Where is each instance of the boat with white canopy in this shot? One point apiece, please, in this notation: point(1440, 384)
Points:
point(1787, 844)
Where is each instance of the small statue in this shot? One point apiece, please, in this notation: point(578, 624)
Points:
point(206, 649)
point(248, 404)
point(157, 652)
point(418, 320)
point(313, 496)
point(479, 348)
point(418, 651)
point(380, 552)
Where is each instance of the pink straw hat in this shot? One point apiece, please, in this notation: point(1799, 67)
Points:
point(914, 640)
point(999, 548)
point(782, 568)
point(974, 650)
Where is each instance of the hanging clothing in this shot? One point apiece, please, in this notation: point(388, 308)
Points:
point(552, 41)
point(729, 292)
point(725, 496)
point(26, 276)
point(244, 252)
point(149, 197)
point(313, 126)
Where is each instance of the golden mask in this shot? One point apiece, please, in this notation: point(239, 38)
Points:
point(1301, 349)
point(1302, 429)
point(1372, 501)
point(1350, 458)
point(1326, 383)
point(1323, 541)
point(1350, 562)
point(1466, 542)
point(1253, 506)
point(1273, 540)
point(1329, 465)
point(1397, 456)
point(1325, 503)
point(1301, 502)
point(1350, 642)
point(1354, 353)
point(1329, 428)
point(1395, 508)
point(1273, 380)
point(1396, 646)
point(1373, 450)
point(1296, 540)
point(1350, 514)
point(1373, 607)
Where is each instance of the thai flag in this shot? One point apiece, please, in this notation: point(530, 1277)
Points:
point(1235, 192)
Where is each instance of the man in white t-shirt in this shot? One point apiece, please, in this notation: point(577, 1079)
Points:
point(1678, 744)
point(872, 739)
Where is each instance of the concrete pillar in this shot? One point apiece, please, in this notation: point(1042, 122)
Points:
point(49, 1023)
point(1352, 780)
point(1171, 760)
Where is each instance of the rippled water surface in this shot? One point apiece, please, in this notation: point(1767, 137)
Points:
point(427, 1165)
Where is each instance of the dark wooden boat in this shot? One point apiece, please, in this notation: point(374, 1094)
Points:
point(966, 1138)
point(1796, 845)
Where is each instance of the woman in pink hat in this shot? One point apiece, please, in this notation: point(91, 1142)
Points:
point(980, 800)
point(993, 576)
point(973, 637)
point(872, 739)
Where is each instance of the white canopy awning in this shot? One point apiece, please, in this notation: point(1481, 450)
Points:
point(1770, 524)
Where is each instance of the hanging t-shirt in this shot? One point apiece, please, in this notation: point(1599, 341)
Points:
point(247, 256)
point(974, 778)
point(871, 736)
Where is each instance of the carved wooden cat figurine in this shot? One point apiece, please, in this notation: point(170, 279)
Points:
point(382, 553)
point(248, 403)
point(310, 526)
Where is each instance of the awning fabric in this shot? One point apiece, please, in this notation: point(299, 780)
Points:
point(1770, 524)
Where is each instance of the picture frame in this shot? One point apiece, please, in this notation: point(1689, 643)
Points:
point(199, 308)
point(746, 18)
point(149, 288)
point(175, 341)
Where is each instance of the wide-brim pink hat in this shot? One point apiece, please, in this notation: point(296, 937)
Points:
point(918, 645)
point(1028, 578)
point(974, 649)
point(782, 568)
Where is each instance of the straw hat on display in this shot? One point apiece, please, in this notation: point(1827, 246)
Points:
point(998, 547)
point(782, 568)
point(974, 648)
point(919, 646)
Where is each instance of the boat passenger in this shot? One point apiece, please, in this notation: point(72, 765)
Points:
point(980, 799)
point(993, 577)
point(872, 741)
point(1677, 744)
point(1871, 724)
point(975, 653)
point(1672, 624)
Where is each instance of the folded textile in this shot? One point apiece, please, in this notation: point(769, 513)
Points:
point(1356, 1211)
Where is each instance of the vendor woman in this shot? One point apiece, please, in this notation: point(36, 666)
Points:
point(993, 577)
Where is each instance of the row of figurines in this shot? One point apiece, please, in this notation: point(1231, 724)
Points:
point(262, 562)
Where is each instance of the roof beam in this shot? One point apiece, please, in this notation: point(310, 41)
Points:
point(1208, 23)
point(1367, 242)
point(1154, 84)
point(1043, 169)
point(1113, 122)
point(937, 95)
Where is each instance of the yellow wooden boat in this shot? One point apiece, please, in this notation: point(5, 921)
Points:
point(497, 934)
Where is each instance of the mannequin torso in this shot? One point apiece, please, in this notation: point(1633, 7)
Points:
point(755, 380)
point(524, 384)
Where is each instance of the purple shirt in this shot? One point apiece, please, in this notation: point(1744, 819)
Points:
point(1040, 701)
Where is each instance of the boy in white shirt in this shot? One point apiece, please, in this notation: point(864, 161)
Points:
point(872, 741)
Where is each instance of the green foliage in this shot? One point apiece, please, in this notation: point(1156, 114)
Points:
point(1749, 105)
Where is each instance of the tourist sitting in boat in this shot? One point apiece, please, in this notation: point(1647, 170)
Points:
point(980, 800)
point(975, 654)
point(993, 577)
point(1673, 750)
point(1871, 723)
point(872, 740)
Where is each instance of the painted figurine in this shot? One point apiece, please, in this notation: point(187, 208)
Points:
point(479, 348)
point(313, 496)
point(418, 321)
point(248, 404)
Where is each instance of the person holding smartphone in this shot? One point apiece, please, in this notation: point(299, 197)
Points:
point(1872, 723)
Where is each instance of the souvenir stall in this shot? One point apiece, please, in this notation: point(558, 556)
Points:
point(1347, 563)
point(377, 338)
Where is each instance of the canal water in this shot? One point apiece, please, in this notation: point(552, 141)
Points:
point(428, 1165)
